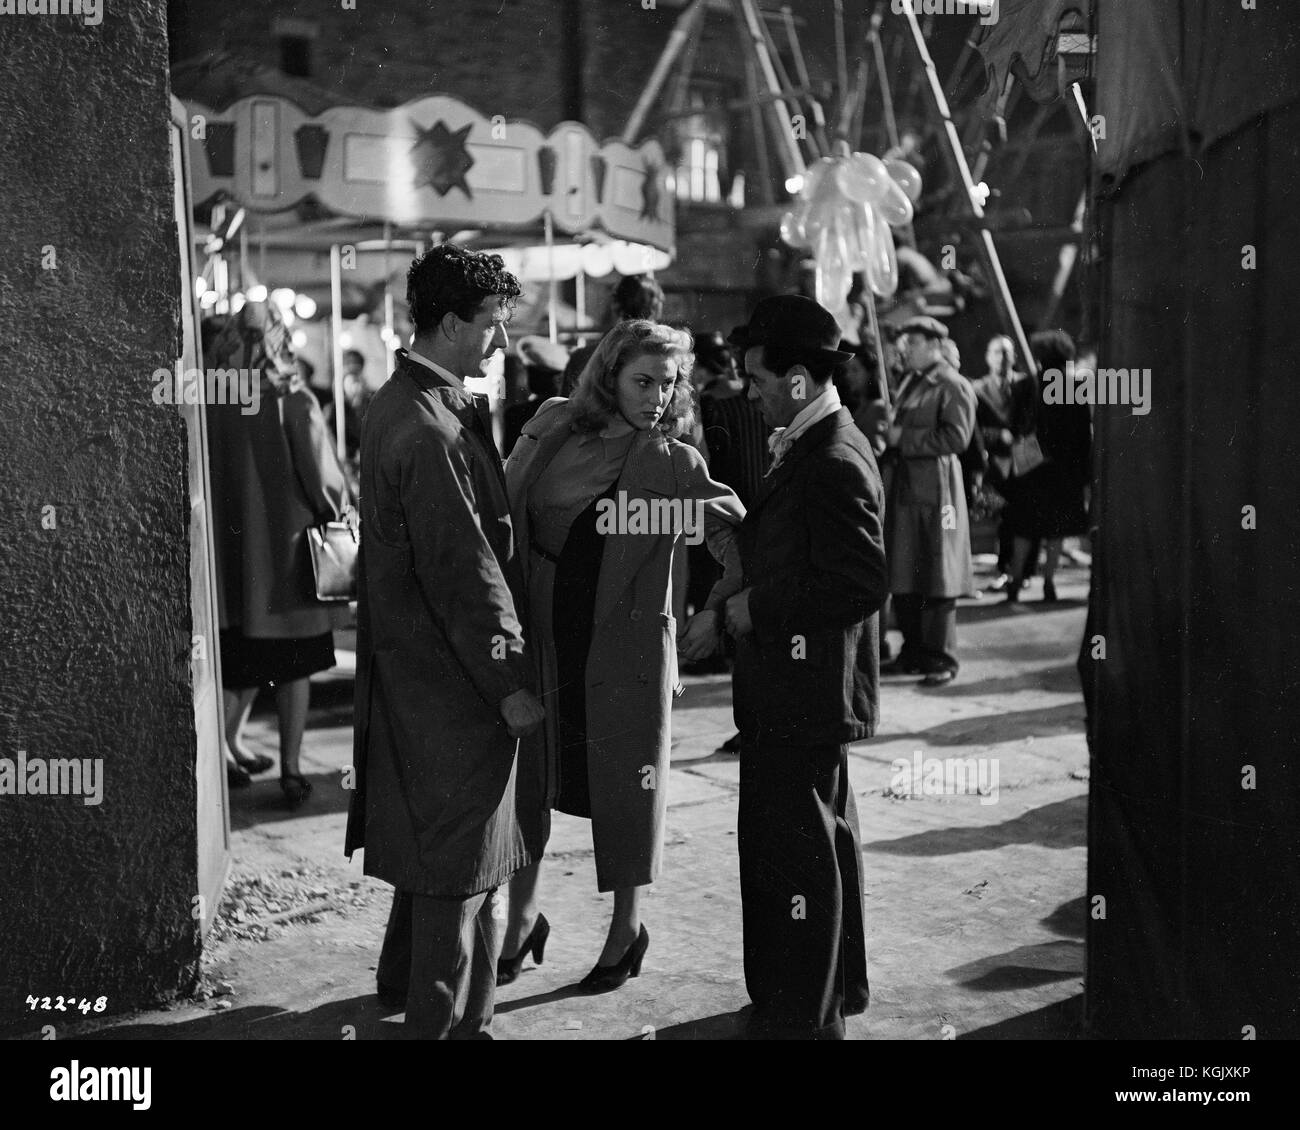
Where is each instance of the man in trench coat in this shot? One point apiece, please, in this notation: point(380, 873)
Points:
point(445, 810)
point(927, 530)
point(805, 683)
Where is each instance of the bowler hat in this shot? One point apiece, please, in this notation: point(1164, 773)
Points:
point(923, 324)
point(791, 321)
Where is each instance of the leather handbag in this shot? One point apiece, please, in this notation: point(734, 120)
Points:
point(1026, 454)
point(334, 547)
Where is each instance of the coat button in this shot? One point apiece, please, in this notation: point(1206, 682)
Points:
point(635, 614)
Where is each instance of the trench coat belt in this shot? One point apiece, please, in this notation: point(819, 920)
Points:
point(546, 553)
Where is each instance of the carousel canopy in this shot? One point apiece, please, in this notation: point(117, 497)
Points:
point(432, 164)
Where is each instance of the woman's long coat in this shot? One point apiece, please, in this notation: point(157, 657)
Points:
point(927, 531)
point(632, 664)
point(274, 474)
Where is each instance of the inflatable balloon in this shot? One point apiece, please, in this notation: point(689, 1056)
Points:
point(862, 178)
point(882, 271)
point(906, 177)
point(843, 214)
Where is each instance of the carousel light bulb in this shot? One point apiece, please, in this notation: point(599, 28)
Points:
point(200, 287)
point(236, 302)
point(299, 339)
point(257, 293)
point(283, 297)
point(345, 340)
point(981, 193)
point(305, 307)
point(208, 299)
point(794, 184)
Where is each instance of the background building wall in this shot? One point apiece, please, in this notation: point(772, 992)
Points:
point(95, 620)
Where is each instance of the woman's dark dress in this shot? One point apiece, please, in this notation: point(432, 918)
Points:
point(573, 613)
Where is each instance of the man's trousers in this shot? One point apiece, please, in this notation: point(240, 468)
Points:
point(801, 891)
point(929, 627)
point(443, 954)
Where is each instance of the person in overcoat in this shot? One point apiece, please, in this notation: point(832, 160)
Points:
point(927, 530)
point(600, 609)
point(806, 624)
point(274, 476)
point(1004, 413)
point(444, 808)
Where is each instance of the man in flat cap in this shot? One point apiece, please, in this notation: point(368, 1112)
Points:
point(927, 532)
point(805, 684)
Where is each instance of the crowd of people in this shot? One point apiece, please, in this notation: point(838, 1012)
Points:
point(517, 656)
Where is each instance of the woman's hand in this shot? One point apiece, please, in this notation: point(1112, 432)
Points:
point(700, 639)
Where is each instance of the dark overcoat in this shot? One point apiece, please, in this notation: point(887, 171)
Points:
point(813, 556)
point(443, 806)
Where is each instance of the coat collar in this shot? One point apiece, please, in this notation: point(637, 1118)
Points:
point(807, 443)
point(648, 473)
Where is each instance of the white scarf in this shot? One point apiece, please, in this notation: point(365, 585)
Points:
point(782, 439)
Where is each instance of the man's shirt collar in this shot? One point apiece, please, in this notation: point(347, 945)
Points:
point(446, 374)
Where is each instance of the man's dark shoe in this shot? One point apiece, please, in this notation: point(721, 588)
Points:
point(900, 666)
point(939, 678)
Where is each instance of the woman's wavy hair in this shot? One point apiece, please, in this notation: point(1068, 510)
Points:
point(595, 400)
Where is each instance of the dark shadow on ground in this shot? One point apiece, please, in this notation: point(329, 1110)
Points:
point(1061, 824)
point(1061, 678)
point(995, 606)
point(563, 993)
point(722, 1026)
point(262, 802)
point(364, 1015)
point(1011, 726)
point(1025, 967)
point(1060, 1021)
point(1070, 918)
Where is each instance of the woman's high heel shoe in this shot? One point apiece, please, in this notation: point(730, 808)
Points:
point(606, 977)
point(508, 968)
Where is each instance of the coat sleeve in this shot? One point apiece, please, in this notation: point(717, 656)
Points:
point(457, 570)
point(844, 578)
point(314, 460)
point(723, 513)
point(952, 430)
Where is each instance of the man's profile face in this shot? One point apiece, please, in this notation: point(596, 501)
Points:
point(478, 339)
point(775, 391)
point(919, 351)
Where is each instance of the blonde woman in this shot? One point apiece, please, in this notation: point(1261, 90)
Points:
point(602, 495)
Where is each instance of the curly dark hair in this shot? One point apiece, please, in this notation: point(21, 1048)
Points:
point(450, 279)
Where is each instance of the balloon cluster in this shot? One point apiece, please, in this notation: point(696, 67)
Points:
point(845, 210)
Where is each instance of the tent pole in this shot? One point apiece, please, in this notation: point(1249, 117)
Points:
point(336, 335)
point(957, 156)
point(684, 28)
point(550, 270)
point(882, 72)
point(752, 32)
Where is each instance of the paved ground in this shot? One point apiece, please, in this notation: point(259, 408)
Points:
point(974, 904)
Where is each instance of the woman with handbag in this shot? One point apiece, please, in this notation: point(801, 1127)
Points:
point(603, 633)
point(274, 477)
point(1051, 466)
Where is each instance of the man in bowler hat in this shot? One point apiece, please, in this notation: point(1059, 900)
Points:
point(805, 682)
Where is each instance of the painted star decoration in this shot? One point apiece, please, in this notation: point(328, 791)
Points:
point(441, 159)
